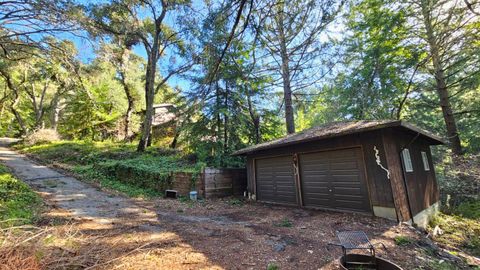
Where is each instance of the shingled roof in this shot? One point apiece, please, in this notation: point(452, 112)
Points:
point(336, 129)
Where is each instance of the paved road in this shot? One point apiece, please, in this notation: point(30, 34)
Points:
point(81, 199)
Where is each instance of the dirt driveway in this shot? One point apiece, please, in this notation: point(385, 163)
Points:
point(115, 232)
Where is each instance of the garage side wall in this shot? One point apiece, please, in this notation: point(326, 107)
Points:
point(379, 187)
point(422, 184)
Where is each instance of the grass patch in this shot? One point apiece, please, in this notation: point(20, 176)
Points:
point(272, 266)
point(284, 223)
point(235, 202)
point(403, 240)
point(19, 204)
point(461, 228)
point(442, 265)
point(469, 210)
point(116, 165)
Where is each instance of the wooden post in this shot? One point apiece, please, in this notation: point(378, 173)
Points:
point(297, 180)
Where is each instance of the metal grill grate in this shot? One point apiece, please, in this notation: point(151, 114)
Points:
point(354, 240)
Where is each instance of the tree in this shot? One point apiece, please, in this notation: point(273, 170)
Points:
point(379, 70)
point(228, 104)
point(145, 22)
point(36, 80)
point(447, 32)
point(27, 23)
point(289, 31)
point(129, 67)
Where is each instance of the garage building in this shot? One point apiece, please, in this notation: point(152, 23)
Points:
point(382, 168)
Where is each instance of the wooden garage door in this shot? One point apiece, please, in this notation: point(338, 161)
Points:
point(275, 180)
point(335, 180)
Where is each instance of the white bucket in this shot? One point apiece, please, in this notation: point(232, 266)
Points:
point(193, 195)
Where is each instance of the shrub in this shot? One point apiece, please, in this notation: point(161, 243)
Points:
point(136, 173)
point(470, 209)
point(42, 136)
point(459, 180)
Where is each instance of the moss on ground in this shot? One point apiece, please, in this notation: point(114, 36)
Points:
point(19, 204)
point(461, 229)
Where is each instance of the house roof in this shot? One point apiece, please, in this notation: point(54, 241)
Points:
point(336, 129)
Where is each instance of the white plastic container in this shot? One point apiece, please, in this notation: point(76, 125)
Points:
point(193, 195)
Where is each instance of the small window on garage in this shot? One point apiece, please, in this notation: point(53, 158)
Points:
point(407, 161)
point(426, 166)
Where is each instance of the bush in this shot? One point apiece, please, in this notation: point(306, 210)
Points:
point(42, 136)
point(135, 173)
point(470, 209)
point(459, 180)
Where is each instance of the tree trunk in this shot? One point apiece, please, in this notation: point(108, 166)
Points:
point(149, 98)
point(55, 112)
point(441, 85)
point(130, 102)
point(287, 89)
point(255, 118)
point(173, 144)
point(17, 115)
point(128, 113)
point(128, 116)
point(225, 120)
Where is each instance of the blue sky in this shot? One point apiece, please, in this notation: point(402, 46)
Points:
point(86, 47)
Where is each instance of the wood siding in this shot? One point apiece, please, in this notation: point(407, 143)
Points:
point(422, 185)
point(380, 192)
point(396, 176)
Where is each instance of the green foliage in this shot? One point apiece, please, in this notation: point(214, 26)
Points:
point(235, 202)
point(148, 171)
point(95, 108)
point(88, 173)
point(284, 223)
point(461, 229)
point(184, 199)
point(117, 165)
point(403, 240)
point(79, 152)
point(19, 204)
point(272, 266)
point(230, 111)
point(469, 210)
point(379, 64)
point(459, 180)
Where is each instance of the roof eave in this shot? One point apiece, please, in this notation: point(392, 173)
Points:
point(436, 140)
point(247, 151)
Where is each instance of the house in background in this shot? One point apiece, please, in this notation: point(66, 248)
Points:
point(164, 123)
point(382, 168)
point(163, 114)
